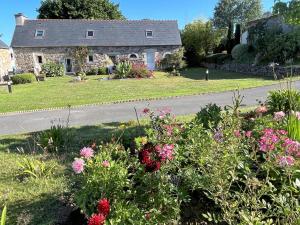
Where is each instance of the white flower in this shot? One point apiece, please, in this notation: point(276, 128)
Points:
point(297, 183)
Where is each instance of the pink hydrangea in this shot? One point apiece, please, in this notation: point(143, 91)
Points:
point(105, 163)
point(292, 147)
point(286, 161)
point(248, 134)
point(164, 112)
point(169, 129)
point(237, 133)
point(78, 166)
point(87, 153)
point(278, 116)
point(165, 152)
point(269, 140)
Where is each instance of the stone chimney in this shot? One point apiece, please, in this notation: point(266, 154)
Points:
point(20, 19)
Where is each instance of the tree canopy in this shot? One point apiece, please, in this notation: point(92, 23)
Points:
point(289, 10)
point(79, 9)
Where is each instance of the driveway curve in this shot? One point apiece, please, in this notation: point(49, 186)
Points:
point(16, 123)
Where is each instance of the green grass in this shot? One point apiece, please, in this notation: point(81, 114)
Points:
point(61, 92)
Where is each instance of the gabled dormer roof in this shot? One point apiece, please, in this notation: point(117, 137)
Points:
point(73, 32)
point(3, 45)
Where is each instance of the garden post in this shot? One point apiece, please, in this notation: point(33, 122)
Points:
point(9, 86)
point(207, 74)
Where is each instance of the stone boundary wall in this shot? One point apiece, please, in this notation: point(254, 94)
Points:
point(254, 70)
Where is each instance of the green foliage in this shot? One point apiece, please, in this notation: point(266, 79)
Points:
point(79, 9)
point(200, 38)
point(3, 216)
point(293, 127)
point(51, 69)
point(102, 71)
point(283, 100)
point(29, 167)
point(209, 116)
point(23, 78)
point(80, 55)
point(289, 10)
point(92, 71)
point(139, 71)
point(219, 58)
point(123, 69)
point(242, 53)
point(174, 60)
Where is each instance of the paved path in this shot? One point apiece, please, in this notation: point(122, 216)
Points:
point(91, 115)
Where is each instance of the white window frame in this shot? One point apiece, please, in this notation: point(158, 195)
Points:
point(166, 53)
point(88, 58)
point(146, 33)
point(38, 36)
point(87, 34)
point(137, 55)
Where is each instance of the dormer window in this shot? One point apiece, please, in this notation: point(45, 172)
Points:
point(90, 34)
point(149, 33)
point(39, 33)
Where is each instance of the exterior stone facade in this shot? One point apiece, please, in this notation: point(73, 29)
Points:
point(255, 70)
point(5, 62)
point(27, 59)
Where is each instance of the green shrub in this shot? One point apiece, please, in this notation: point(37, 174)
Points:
point(242, 53)
point(102, 71)
point(293, 126)
point(219, 58)
point(283, 100)
point(209, 116)
point(174, 60)
point(93, 71)
point(23, 78)
point(123, 69)
point(52, 69)
point(139, 71)
point(3, 216)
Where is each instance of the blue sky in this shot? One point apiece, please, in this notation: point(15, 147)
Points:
point(184, 11)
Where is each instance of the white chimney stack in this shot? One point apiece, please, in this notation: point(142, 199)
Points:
point(20, 19)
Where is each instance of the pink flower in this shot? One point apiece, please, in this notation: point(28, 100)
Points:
point(164, 112)
point(261, 109)
point(237, 133)
point(87, 153)
point(286, 161)
point(292, 147)
point(248, 134)
point(146, 110)
point(169, 130)
point(78, 166)
point(278, 116)
point(105, 163)
point(166, 152)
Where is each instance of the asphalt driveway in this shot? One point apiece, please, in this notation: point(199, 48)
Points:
point(15, 123)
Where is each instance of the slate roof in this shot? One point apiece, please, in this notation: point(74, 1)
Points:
point(72, 32)
point(3, 45)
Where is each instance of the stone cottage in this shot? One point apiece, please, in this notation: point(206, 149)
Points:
point(5, 59)
point(38, 41)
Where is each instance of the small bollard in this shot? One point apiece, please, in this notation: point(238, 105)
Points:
point(207, 74)
point(9, 86)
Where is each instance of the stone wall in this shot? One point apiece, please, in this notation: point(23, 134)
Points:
point(27, 58)
point(5, 62)
point(255, 70)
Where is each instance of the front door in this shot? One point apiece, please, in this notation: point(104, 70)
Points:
point(68, 65)
point(151, 60)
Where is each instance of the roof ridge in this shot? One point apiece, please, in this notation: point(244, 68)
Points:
point(103, 20)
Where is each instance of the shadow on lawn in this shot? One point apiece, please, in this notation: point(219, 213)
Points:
point(79, 137)
point(200, 74)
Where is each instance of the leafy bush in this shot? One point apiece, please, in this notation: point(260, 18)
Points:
point(174, 60)
point(219, 58)
point(209, 116)
point(293, 126)
point(139, 71)
point(52, 69)
point(123, 69)
point(242, 53)
point(102, 71)
point(23, 78)
point(3, 216)
point(283, 100)
point(93, 71)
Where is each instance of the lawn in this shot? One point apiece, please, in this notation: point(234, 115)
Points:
point(61, 92)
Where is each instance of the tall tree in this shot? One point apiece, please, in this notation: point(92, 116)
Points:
point(289, 10)
point(230, 12)
point(79, 9)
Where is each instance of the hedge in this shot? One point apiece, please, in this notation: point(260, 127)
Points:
point(23, 78)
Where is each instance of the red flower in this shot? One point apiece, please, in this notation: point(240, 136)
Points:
point(97, 219)
point(144, 157)
point(153, 166)
point(104, 207)
point(146, 110)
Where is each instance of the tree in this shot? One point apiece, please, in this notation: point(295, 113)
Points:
point(79, 9)
point(199, 38)
point(289, 10)
point(230, 12)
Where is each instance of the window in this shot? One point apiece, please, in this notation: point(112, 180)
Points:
point(39, 33)
point(90, 33)
point(40, 59)
point(91, 58)
point(149, 33)
point(133, 56)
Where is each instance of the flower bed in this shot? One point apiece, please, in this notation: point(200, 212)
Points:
point(237, 170)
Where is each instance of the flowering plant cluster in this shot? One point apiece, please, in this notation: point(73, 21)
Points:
point(103, 211)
